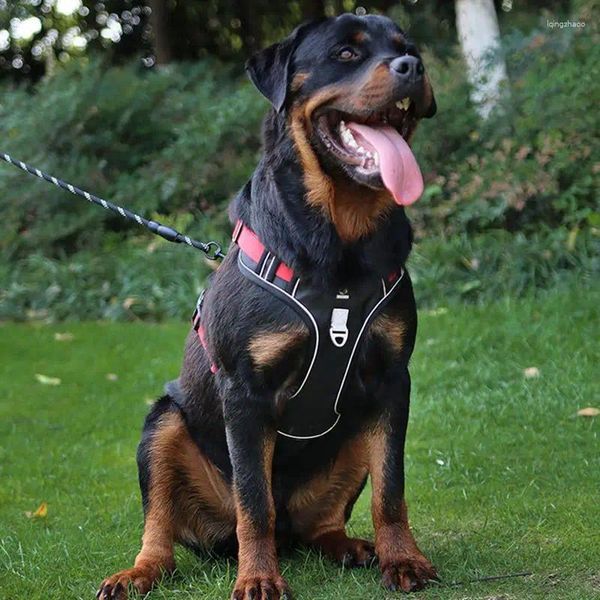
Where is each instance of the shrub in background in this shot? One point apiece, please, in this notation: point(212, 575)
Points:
point(178, 141)
point(509, 205)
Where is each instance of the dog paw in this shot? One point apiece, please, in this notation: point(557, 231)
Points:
point(358, 553)
point(408, 574)
point(261, 588)
point(117, 586)
point(350, 552)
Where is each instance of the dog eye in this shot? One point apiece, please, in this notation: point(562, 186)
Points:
point(346, 53)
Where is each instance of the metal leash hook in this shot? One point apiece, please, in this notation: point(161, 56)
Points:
point(212, 250)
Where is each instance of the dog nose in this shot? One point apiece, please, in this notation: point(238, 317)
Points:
point(409, 68)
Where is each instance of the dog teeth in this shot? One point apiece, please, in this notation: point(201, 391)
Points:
point(369, 158)
point(403, 104)
point(347, 136)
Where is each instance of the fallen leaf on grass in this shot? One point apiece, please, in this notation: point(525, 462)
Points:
point(64, 337)
point(40, 513)
point(589, 411)
point(112, 376)
point(531, 372)
point(44, 379)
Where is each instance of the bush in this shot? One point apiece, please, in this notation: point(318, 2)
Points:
point(533, 166)
point(179, 142)
point(150, 281)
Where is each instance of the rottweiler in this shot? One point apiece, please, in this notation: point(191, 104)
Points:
point(295, 384)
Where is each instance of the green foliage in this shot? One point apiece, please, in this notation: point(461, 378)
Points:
point(178, 141)
point(515, 196)
point(533, 166)
point(153, 281)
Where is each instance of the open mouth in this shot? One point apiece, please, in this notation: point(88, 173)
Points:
point(372, 148)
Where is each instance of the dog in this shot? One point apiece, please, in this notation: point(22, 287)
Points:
point(295, 384)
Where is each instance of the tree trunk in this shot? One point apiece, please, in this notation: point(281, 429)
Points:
point(159, 20)
point(479, 35)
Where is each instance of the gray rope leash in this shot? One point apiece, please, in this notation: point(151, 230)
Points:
point(212, 250)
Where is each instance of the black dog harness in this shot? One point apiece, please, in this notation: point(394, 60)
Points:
point(337, 322)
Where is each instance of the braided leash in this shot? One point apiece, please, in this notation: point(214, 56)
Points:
point(212, 250)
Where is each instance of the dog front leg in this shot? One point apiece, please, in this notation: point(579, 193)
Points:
point(402, 564)
point(251, 442)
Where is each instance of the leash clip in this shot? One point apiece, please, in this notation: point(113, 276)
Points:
point(338, 330)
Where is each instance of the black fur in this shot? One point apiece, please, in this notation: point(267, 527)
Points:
point(230, 414)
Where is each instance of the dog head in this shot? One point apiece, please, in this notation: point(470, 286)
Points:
point(351, 90)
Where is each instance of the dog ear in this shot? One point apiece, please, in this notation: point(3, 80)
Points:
point(269, 69)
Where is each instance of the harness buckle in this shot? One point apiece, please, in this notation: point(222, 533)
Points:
point(338, 330)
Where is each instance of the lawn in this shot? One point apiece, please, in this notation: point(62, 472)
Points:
point(503, 476)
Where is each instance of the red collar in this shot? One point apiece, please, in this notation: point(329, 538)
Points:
point(249, 242)
point(251, 245)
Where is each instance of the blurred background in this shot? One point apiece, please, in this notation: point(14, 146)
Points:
point(146, 103)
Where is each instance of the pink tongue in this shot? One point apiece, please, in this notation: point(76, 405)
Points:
point(399, 169)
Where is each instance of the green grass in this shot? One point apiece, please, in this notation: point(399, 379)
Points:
point(502, 475)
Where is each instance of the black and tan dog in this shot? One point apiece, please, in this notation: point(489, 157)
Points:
point(234, 455)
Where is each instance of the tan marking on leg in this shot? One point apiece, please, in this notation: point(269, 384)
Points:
point(402, 564)
point(257, 552)
point(258, 567)
point(199, 499)
point(188, 501)
point(385, 531)
point(318, 507)
point(267, 347)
